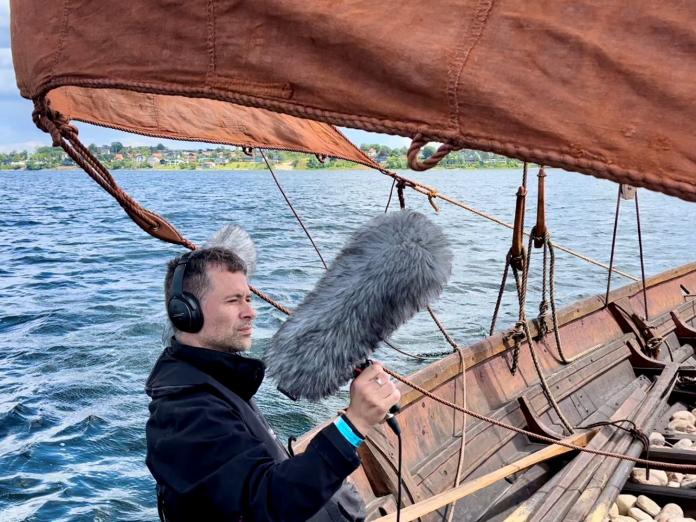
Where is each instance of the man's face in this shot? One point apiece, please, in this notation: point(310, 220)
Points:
point(227, 311)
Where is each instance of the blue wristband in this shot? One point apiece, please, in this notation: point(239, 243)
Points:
point(347, 432)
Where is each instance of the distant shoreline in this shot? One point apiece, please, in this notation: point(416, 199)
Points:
point(252, 167)
point(116, 156)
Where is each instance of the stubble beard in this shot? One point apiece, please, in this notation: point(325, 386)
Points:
point(233, 344)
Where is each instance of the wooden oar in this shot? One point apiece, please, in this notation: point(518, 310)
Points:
point(430, 504)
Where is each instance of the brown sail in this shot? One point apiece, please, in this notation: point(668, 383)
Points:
point(595, 87)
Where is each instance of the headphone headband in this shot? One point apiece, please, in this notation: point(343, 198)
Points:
point(179, 272)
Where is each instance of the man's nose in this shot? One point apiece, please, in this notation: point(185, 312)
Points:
point(249, 311)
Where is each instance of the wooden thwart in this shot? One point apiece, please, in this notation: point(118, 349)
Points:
point(447, 497)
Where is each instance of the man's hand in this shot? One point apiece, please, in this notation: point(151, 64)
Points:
point(372, 393)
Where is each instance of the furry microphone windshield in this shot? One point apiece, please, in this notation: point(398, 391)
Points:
point(391, 267)
point(236, 239)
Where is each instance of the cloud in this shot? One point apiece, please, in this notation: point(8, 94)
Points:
point(8, 82)
point(23, 145)
point(5, 14)
point(4, 23)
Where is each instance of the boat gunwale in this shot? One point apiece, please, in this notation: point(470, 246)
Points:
point(441, 371)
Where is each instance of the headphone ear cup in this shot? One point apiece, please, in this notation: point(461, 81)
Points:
point(196, 318)
point(185, 313)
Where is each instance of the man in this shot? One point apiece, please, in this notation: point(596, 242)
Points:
point(210, 450)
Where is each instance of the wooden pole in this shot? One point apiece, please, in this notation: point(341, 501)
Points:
point(429, 505)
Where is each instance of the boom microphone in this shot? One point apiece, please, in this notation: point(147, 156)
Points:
point(391, 267)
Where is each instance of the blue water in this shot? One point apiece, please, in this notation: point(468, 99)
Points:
point(82, 313)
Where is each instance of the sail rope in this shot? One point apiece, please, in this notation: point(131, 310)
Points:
point(688, 468)
point(521, 331)
point(297, 216)
point(432, 194)
point(642, 262)
point(524, 326)
point(450, 340)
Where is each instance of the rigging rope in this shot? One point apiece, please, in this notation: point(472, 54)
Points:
point(522, 323)
point(642, 263)
point(432, 193)
point(500, 294)
point(287, 200)
point(613, 244)
point(460, 461)
point(391, 192)
point(688, 468)
point(548, 280)
point(521, 330)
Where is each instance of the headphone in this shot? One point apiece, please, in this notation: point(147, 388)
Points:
point(183, 308)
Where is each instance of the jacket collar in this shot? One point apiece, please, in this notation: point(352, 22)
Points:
point(242, 375)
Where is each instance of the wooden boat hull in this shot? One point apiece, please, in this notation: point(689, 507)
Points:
point(609, 375)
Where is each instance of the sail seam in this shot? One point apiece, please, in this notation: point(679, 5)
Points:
point(61, 38)
point(211, 41)
point(461, 58)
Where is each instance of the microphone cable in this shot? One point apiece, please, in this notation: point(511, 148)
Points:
point(398, 473)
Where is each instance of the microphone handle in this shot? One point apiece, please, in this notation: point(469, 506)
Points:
point(391, 416)
point(391, 419)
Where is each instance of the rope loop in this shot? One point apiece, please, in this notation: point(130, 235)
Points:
point(431, 199)
point(419, 141)
point(249, 151)
point(534, 236)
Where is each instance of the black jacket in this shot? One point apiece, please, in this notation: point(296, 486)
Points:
point(214, 457)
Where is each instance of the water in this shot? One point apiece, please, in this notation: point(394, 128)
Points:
point(82, 314)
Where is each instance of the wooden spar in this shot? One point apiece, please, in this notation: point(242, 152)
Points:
point(540, 228)
point(517, 249)
point(437, 501)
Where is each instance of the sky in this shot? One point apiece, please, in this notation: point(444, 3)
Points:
point(18, 132)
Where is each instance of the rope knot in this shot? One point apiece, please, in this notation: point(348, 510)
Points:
point(431, 199)
point(517, 335)
point(52, 122)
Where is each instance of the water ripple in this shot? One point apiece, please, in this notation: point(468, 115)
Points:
point(82, 306)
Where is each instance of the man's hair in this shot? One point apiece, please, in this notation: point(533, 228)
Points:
point(195, 278)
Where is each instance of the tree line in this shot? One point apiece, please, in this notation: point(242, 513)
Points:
point(118, 156)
